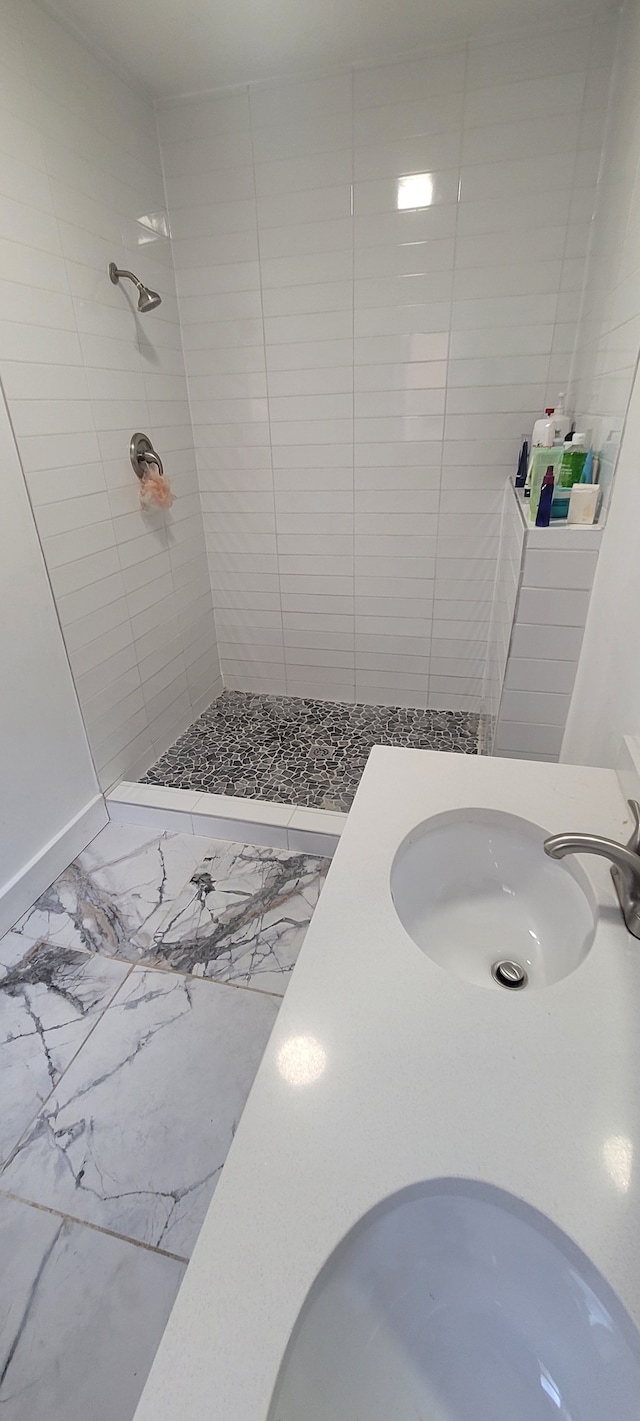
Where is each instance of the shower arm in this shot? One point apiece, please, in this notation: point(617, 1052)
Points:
point(115, 273)
point(147, 299)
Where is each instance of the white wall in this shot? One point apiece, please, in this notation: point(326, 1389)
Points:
point(609, 329)
point(47, 777)
point(606, 700)
point(81, 184)
point(361, 376)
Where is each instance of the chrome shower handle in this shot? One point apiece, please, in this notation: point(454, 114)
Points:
point(153, 458)
point(141, 452)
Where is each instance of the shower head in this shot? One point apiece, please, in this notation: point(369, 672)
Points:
point(147, 300)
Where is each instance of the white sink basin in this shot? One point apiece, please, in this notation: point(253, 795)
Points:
point(474, 888)
point(458, 1303)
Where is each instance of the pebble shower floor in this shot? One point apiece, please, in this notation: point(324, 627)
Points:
point(295, 751)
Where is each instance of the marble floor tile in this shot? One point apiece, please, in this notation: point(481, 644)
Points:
point(135, 1135)
point(115, 894)
point(81, 1316)
point(49, 1002)
point(243, 916)
point(13, 947)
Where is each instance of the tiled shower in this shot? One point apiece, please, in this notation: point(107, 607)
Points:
point(361, 367)
point(372, 282)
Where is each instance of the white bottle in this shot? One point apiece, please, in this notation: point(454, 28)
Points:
point(544, 431)
point(561, 421)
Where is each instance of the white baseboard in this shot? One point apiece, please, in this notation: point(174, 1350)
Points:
point(27, 885)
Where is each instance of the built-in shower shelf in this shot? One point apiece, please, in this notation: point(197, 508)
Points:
point(541, 599)
point(560, 535)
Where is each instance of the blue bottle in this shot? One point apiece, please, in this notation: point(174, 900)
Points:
point(523, 464)
point(587, 472)
point(546, 496)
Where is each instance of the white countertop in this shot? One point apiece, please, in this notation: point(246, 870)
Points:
point(410, 1074)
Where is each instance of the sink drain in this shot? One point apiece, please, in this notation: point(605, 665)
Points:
point(509, 974)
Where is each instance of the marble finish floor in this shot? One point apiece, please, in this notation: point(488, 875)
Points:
point(295, 751)
point(136, 1000)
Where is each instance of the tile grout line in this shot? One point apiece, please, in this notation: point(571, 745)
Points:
point(571, 380)
point(12, 1153)
point(97, 1228)
point(266, 377)
point(353, 380)
point(197, 977)
point(192, 449)
point(465, 86)
point(144, 966)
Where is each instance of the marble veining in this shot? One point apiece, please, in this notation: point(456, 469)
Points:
point(114, 896)
point(125, 1077)
point(297, 751)
point(81, 1316)
point(243, 916)
point(135, 1135)
point(50, 1000)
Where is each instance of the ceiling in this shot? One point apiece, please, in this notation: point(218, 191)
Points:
point(175, 47)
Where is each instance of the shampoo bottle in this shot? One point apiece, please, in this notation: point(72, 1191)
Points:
point(574, 458)
point(544, 430)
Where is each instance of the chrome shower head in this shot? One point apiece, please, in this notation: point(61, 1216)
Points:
point(147, 300)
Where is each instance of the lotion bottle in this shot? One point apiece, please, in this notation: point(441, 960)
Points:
point(561, 421)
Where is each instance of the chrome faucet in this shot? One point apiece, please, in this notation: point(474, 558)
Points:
point(625, 860)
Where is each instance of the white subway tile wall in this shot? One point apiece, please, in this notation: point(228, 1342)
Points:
point(379, 275)
point(81, 184)
point(609, 327)
point(377, 288)
point(539, 612)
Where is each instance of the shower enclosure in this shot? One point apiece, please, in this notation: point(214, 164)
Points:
point(345, 324)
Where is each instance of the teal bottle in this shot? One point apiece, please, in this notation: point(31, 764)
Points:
point(587, 472)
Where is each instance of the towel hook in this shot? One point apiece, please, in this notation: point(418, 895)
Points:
point(141, 452)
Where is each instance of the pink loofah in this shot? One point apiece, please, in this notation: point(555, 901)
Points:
point(155, 489)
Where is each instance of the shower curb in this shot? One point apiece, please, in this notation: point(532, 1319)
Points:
point(222, 816)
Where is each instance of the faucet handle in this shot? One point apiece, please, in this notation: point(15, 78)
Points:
point(634, 842)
